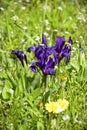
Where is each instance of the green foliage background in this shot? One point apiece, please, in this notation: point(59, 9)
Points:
point(22, 91)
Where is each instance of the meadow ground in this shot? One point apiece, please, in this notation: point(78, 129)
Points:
point(39, 101)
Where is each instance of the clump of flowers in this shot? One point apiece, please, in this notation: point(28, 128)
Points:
point(58, 106)
point(49, 57)
point(46, 57)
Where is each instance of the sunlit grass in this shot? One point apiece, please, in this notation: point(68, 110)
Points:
point(21, 91)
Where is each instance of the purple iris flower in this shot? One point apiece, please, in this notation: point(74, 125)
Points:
point(46, 57)
point(20, 55)
point(63, 50)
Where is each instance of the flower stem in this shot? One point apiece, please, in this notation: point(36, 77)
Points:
point(45, 87)
point(45, 83)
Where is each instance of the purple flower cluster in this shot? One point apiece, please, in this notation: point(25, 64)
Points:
point(48, 57)
point(20, 55)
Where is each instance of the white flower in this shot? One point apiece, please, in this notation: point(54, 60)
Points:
point(66, 117)
point(45, 33)
point(1, 8)
point(60, 8)
point(15, 3)
point(36, 27)
point(81, 37)
point(47, 8)
point(77, 41)
point(70, 18)
point(37, 38)
point(47, 22)
point(27, 1)
point(11, 124)
point(25, 27)
point(20, 1)
point(66, 32)
point(23, 7)
point(48, 38)
point(22, 40)
point(15, 18)
point(12, 10)
point(55, 30)
point(48, 28)
point(81, 18)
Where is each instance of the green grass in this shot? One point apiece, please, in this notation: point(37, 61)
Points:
point(21, 91)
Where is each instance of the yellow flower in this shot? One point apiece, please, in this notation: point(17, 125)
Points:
point(51, 106)
point(62, 105)
point(57, 107)
point(63, 77)
point(41, 104)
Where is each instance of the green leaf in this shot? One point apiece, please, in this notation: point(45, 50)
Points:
point(45, 97)
point(35, 93)
point(40, 125)
point(7, 93)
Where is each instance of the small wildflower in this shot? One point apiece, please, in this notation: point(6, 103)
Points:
point(47, 8)
point(23, 7)
point(47, 22)
point(60, 8)
point(27, 1)
point(70, 18)
point(63, 77)
point(22, 40)
point(66, 32)
point(48, 28)
point(57, 107)
point(66, 117)
point(25, 27)
point(37, 38)
point(15, 18)
point(11, 124)
point(1, 9)
point(41, 104)
point(81, 37)
point(20, 1)
point(20, 55)
point(15, 3)
point(51, 106)
point(48, 38)
point(81, 18)
point(46, 34)
point(63, 103)
point(12, 10)
point(55, 30)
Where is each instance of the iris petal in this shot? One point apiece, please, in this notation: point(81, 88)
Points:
point(33, 48)
point(70, 41)
point(20, 55)
point(59, 43)
point(44, 40)
point(48, 57)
